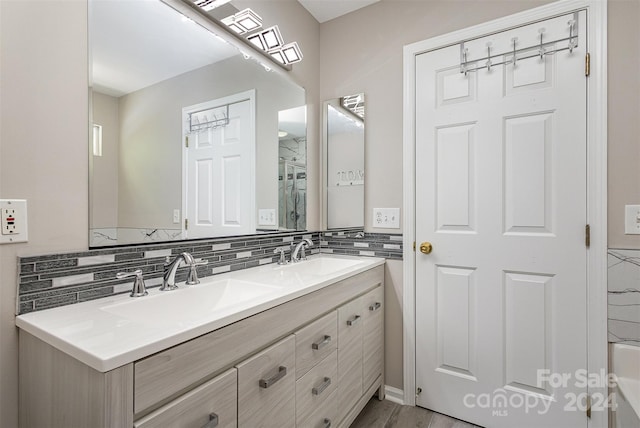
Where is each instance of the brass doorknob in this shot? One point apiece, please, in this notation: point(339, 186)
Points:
point(426, 248)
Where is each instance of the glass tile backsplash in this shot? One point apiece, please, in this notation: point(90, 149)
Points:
point(53, 280)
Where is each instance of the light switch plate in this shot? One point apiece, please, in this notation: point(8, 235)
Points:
point(632, 220)
point(14, 221)
point(267, 217)
point(386, 218)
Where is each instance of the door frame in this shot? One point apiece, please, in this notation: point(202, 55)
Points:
point(596, 180)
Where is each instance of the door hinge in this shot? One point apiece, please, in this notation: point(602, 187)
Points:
point(587, 236)
point(588, 406)
point(186, 141)
point(418, 391)
point(587, 64)
point(414, 246)
point(186, 224)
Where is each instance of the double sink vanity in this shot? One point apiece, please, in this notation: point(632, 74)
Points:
point(276, 345)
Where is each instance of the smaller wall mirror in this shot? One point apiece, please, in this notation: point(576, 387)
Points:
point(344, 141)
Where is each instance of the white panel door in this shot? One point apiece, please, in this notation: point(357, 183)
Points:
point(219, 175)
point(501, 196)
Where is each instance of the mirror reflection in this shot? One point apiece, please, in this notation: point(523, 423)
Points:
point(184, 138)
point(344, 152)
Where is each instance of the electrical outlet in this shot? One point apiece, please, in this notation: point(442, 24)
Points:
point(386, 218)
point(176, 216)
point(14, 221)
point(267, 217)
point(632, 220)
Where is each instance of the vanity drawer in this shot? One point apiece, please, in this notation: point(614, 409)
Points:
point(313, 389)
point(315, 341)
point(372, 335)
point(214, 401)
point(325, 415)
point(266, 387)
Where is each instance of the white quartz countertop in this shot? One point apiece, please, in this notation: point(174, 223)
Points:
point(110, 332)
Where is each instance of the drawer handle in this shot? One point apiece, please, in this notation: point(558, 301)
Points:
point(327, 423)
point(321, 344)
point(353, 321)
point(375, 306)
point(213, 421)
point(317, 390)
point(266, 383)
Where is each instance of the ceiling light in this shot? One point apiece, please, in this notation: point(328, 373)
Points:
point(244, 21)
point(288, 54)
point(268, 39)
point(208, 5)
point(282, 134)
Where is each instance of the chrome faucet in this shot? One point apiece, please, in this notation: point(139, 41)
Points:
point(298, 252)
point(170, 268)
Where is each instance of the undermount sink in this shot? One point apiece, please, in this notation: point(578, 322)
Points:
point(322, 265)
point(182, 305)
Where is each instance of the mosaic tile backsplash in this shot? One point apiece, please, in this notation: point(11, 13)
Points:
point(61, 279)
point(624, 296)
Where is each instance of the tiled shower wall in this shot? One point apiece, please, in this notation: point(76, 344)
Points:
point(61, 279)
point(624, 296)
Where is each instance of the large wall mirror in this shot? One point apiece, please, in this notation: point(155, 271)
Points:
point(344, 145)
point(188, 138)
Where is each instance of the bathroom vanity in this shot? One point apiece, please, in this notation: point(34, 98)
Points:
point(306, 350)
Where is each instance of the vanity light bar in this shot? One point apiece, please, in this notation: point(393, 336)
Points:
point(268, 39)
point(209, 5)
point(288, 54)
point(244, 21)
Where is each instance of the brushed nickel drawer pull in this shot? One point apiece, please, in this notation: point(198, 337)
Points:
point(317, 390)
point(327, 423)
point(375, 306)
point(266, 383)
point(213, 421)
point(353, 321)
point(322, 343)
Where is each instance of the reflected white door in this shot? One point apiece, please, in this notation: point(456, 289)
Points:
point(219, 177)
point(501, 196)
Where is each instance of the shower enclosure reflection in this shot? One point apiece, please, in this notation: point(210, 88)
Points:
point(292, 169)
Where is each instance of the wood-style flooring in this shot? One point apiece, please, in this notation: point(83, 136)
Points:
point(385, 414)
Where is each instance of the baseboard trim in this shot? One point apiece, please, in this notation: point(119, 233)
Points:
point(394, 395)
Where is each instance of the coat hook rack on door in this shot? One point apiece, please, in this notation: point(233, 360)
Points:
point(511, 56)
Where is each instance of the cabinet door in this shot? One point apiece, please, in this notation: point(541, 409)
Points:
point(313, 389)
point(266, 387)
point(350, 317)
point(373, 335)
point(213, 404)
point(315, 342)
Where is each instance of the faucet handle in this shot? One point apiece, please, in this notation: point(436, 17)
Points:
point(192, 277)
point(281, 250)
point(139, 289)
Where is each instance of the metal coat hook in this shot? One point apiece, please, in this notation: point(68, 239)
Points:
point(572, 43)
point(488, 56)
point(541, 51)
point(463, 64)
point(513, 41)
